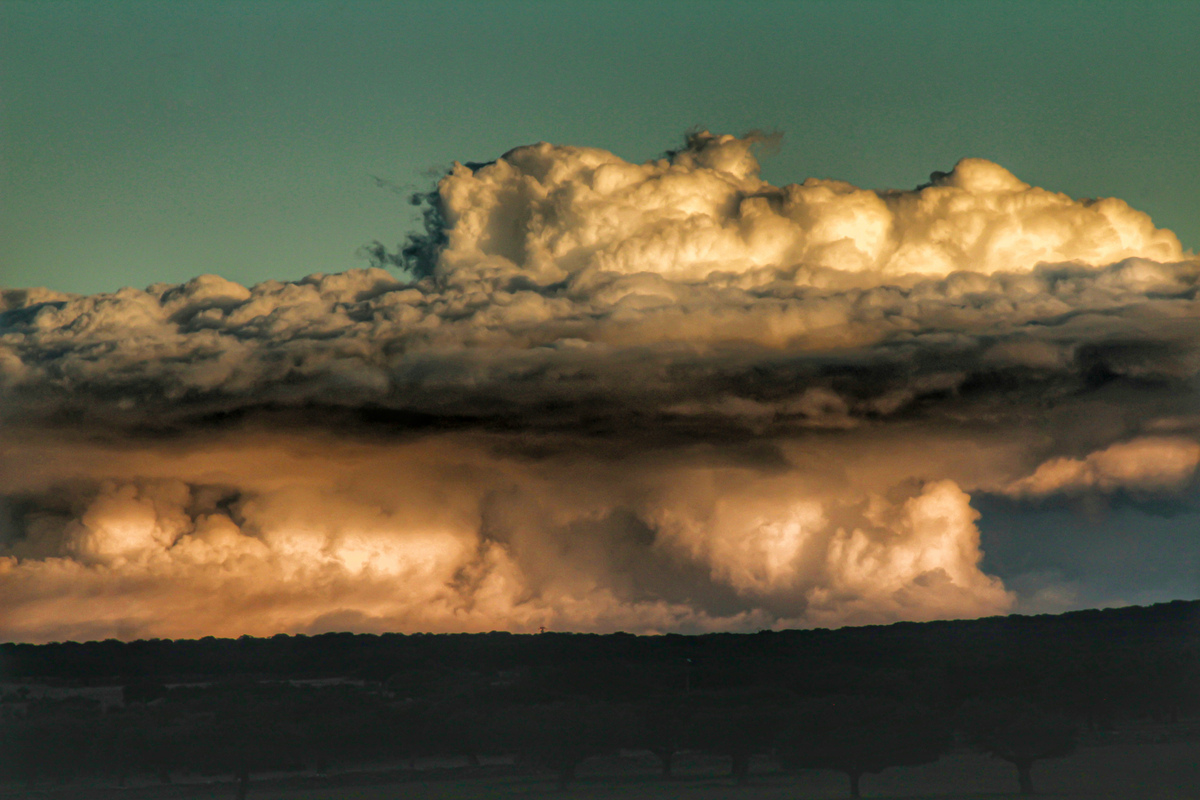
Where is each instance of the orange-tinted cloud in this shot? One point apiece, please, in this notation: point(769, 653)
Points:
point(665, 396)
point(1150, 463)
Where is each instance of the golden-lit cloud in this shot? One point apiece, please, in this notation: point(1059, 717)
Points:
point(651, 397)
point(549, 213)
point(1148, 463)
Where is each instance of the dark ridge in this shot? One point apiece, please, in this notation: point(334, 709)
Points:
point(1043, 644)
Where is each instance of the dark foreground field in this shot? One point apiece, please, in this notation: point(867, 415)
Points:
point(1094, 704)
point(1122, 771)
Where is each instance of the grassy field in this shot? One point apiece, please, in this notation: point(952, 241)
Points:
point(1127, 771)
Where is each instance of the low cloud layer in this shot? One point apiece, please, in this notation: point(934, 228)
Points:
point(602, 396)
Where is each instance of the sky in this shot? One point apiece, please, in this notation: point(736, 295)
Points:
point(722, 316)
point(145, 142)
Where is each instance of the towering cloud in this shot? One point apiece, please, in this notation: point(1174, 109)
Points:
point(601, 395)
point(547, 214)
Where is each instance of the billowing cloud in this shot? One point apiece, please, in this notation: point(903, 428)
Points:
point(603, 395)
point(547, 214)
point(1150, 463)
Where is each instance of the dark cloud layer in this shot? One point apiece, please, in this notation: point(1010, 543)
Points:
point(664, 396)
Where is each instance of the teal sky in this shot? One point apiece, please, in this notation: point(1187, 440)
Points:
point(145, 142)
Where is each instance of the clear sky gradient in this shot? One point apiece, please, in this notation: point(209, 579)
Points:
point(145, 142)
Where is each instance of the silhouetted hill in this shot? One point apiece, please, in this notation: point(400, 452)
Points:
point(1005, 649)
point(247, 706)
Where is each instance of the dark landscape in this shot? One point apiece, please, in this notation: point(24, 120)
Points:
point(1099, 703)
point(458, 400)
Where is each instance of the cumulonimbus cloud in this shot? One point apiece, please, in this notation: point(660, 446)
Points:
point(661, 396)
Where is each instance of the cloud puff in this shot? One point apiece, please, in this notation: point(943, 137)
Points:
point(1148, 463)
point(550, 213)
point(661, 396)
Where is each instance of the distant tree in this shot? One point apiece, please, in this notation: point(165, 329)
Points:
point(860, 736)
point(138, 739)
point(409, 730)
point(1018, 732)
point(562, 736)
point(467, 731)
point(56, 740)
point(1167, 685)
point(122, 744)
point(740, 725)
point(337, 726)
point(661, 726)
point(246, 732)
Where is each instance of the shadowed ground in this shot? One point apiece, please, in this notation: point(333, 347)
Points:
point(1123, 771)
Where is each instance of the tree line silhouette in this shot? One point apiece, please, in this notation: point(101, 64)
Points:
point(854, 700)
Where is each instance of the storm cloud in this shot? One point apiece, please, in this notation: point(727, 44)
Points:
point(599, 396)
